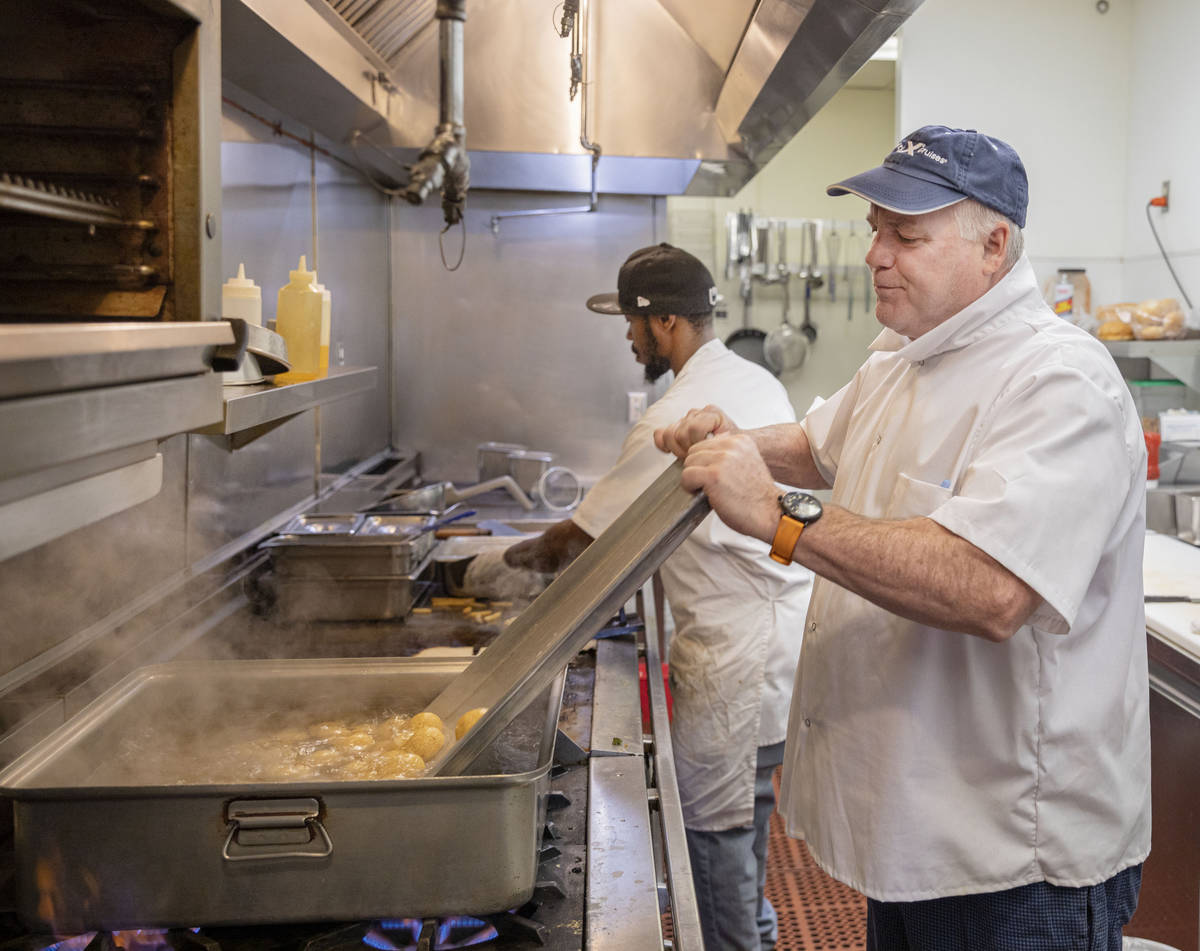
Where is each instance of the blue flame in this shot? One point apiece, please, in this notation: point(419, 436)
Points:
point(409, 931)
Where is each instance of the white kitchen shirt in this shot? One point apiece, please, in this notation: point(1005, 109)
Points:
point(923, 763)
point(739, 616)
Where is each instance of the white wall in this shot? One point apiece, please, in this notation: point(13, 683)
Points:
point(1052, 78)
point(853, 132)
point(1163, 143)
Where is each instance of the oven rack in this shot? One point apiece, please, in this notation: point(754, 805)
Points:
point(48, 200)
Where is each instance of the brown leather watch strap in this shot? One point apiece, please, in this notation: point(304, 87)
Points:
point(786, 536)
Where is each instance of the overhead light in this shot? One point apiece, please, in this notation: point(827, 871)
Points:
point(890, 49)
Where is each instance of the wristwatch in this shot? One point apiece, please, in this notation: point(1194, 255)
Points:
point(799, 509)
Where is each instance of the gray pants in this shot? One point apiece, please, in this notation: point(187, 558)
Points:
point(729, 870)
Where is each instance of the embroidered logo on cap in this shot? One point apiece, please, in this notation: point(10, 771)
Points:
point(909, 147)
point(642, 302)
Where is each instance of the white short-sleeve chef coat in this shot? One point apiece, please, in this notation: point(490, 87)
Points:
point(739, 617)
point(923, 763)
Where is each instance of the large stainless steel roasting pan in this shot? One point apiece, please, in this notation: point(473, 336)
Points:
point(96, 850)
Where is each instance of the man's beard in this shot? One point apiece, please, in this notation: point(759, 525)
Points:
point(656, 363)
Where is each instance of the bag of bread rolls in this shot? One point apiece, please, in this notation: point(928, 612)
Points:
point(1158, 319)
point(1115, 321)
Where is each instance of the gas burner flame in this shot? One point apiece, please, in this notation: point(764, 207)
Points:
point(141, 939)
point(402, 934)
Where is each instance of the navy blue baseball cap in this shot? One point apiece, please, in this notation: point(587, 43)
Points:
point(937, 166)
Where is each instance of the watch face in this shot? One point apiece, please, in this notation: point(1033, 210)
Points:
point(801, 506)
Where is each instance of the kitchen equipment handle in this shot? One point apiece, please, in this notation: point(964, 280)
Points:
point(506, 482)
point(270, 821)
point(446, 521)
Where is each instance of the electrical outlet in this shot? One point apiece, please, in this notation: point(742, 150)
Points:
point(1166, 195)
point(635, 407)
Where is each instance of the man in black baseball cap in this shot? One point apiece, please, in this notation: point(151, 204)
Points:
point(658, 281)
point(733, 654)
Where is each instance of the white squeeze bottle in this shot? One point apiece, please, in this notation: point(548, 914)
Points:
point(326, 315)
point(241, 297)
point(298, 321)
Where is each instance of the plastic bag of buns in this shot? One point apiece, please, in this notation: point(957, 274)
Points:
point(1115, 321)
point(1158, 319)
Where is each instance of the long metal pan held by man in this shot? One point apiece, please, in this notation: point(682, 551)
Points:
point(523, 660)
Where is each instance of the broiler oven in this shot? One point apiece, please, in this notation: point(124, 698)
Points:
point(109, 162)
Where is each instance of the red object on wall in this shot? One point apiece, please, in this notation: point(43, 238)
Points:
point(645, 692)
point(1153, 441)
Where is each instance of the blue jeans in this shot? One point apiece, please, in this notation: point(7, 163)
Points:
point(729, 871)
point(1037, 917)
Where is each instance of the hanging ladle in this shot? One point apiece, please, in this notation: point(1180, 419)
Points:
point(785, 347)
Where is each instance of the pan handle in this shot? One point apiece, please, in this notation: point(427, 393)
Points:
point(271, 826)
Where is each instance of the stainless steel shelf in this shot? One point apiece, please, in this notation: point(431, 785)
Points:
point(252, 407)
point(1177, 358)
point(52, 358)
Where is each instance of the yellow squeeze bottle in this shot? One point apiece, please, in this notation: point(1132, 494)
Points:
point(298, 321)
point(326, 308)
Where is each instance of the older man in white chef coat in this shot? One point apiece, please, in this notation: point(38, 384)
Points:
point(969, 740)
point(737, 627)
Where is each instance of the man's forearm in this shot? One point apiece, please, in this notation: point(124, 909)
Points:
point(917, 569)
point(785, 450)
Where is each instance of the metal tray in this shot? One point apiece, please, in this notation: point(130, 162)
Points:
point(328, 563)
point(345, 599)
point(356, 529)
point(390, 547)
point(392, 526)
point(321, 525)
point(96, 852)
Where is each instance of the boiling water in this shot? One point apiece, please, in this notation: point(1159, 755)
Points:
point(280, 747)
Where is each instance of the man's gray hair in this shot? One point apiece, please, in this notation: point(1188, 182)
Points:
point(976, 221)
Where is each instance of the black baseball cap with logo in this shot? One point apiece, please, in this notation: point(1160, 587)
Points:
point(937, 166)
point(659, 280)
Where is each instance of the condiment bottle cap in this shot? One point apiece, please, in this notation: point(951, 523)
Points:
point(302, 273)
point(242, 286)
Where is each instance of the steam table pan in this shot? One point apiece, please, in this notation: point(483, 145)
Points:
point(96, 850)
point(326, 547)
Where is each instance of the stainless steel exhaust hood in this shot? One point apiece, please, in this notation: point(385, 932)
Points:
point(684, 98)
